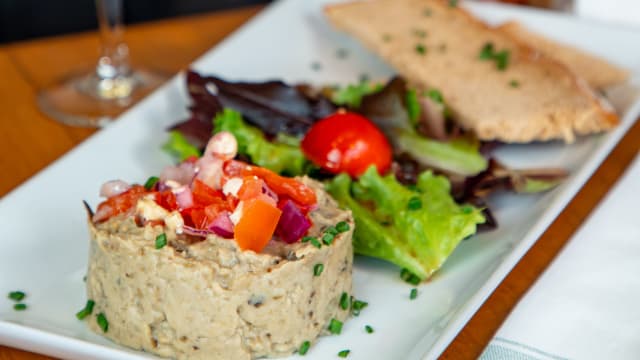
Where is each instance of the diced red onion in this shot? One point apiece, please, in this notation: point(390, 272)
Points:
point(292, 224)
point(190, 230)
point(182, 174)
point(222, 145)
point(184, 197)
point(113, 188)
point(222, 225)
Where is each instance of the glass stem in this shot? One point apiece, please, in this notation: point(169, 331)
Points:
point(112, 71)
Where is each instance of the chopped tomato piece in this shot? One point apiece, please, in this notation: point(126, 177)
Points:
point(119, 204)
point(257, 225)
point(167, 199)
point(297, 191)
point(251, 188)
point(203, 194)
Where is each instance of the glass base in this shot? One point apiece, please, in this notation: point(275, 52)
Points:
point(88, 101)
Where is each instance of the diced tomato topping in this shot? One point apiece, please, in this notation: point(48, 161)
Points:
point(167, 199)
point(203, 194)
point(251, 188)
point(292, 188)
point(257, 225)
point(119, 204)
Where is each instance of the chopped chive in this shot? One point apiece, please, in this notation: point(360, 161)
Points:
point(426, 12)
point(368, 329)
point(161, 241)
point(413, 294)
point(486, 53)
point(409, 277)
point(357, 306)
point(421, 49)
point(442, 47)
point(344, 353)
point(331, 230)
point(342, 53)
point(151, 182)
point(413, 106)
point(317, 269)
point(363, 78)
point(20, 307)
point(420, 33)
point(17, 295)
point(453, 3)
point(102, 322)
point(344, 301)
point(304, 347)
point(514, 83)
point(342, 226)
point(327, 238)
point(414, 203)
point(502, 59)
point(436, 95)
point(335, 326)
point(306, 238)
point(386, 37)
point(315, 242)
point(467, 209)
point(88, 309)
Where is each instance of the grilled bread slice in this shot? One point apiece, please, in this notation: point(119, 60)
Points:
point(495, 85)
point(596, 71)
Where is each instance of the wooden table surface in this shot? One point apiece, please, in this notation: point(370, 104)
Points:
point(31, 141)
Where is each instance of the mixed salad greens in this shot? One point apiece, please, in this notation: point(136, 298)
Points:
point(416, 183)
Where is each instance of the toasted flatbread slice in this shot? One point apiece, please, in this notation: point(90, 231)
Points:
point(598, 72)
point(436, 45)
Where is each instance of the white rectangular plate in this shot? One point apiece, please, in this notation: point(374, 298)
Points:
point(44, 246)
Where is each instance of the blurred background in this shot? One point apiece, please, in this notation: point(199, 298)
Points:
point(27, 19)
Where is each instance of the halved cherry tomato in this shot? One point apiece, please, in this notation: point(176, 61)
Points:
point(347, 142)
point(292, 188)
point(119, 204)
point(257, 225)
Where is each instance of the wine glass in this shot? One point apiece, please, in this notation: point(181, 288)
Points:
point(94, 99)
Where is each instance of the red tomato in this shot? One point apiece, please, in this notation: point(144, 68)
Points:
point(119, 204)
point(292, 188)
point(347, 142)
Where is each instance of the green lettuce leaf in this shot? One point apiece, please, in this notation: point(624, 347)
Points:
point(416, 229)
point(352, 94)
point(282, 156)
point(179, 147)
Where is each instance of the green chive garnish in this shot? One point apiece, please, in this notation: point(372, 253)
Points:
point(20, 307)
point(17, 295)
point(151, 182)
point(420, 33)
point(436, 95)
point(421, 49)
point(304, 347)
point(358, 305)
point(335, 326)
point(413, 294)
point(514, 83)
point(315, 242)
point(342, 226)
point(161, 241)
point(344, 301)
point(344, 353)
point(306, 239)
point(88, 309)
point(331, 230)
point(409, 277)
point(426, 12)
point(486, 53)
point(102, 322)
point(386, 37)
point(317, 269)
point(502, 59)
point(368, 329)
point(453, 3)
point(414, 203)
point(327, 238)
